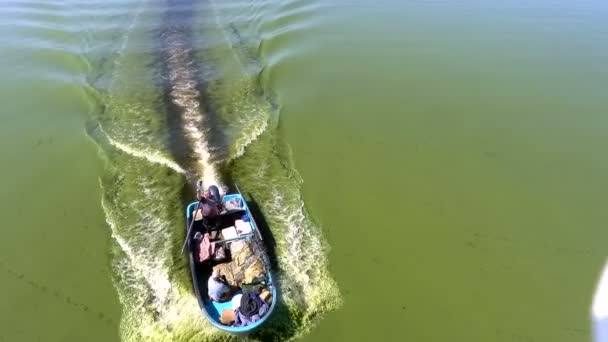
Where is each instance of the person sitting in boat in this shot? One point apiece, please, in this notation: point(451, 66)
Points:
point(217, 288)
point(251, 309)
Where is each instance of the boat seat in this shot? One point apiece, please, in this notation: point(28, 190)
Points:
point(229, 233)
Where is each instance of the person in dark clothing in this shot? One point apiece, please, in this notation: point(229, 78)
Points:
point(251, 310)
point(209, 208)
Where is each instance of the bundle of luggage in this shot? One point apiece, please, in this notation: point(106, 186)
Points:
point(245, 267)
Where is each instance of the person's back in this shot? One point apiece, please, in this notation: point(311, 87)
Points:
point(209, 208)
point(216, 288)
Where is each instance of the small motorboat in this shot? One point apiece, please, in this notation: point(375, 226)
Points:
point(228, 241)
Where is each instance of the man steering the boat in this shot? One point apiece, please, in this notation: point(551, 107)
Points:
point(210, 205)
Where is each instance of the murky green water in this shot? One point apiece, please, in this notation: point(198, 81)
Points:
point(430, 170)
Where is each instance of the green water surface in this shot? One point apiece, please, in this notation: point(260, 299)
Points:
point(430, 171)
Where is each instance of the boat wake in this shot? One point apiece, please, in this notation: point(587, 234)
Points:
point(186, 97)
point(170, 114)
point(153, 157)
point(307, 288)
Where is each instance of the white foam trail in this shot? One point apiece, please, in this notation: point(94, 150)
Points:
point(304, 258)
point(146, 267)
point(255, 132)
point(184, 94)
point(151, 156)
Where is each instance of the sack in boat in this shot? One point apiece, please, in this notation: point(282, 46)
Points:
point(245, 268)
point(246, 265)
point(226, 270)
point(254, 272)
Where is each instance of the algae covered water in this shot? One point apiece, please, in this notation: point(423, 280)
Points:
point(429, 171)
